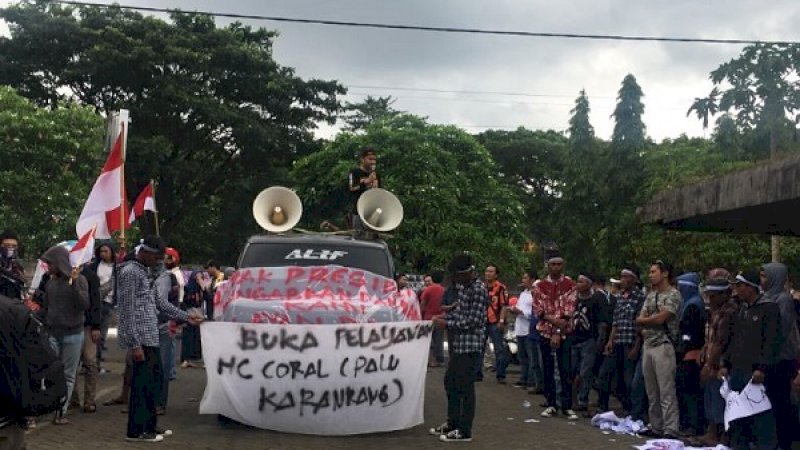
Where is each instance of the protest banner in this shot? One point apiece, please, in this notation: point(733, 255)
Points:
point(328, 294)
point(317, 379)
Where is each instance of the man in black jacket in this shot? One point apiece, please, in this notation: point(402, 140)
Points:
point(753, 350)
point(12, 314)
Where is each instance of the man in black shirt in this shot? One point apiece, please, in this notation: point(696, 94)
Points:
point(584, 339)
point(12, 275)
point(361, 179)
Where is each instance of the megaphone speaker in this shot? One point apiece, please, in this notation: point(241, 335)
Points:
point(277, 209)
point(380, 210)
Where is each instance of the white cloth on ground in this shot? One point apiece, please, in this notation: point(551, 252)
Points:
point(673, 444)
point(608, 421)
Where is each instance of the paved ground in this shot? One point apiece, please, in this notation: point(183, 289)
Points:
point(499, 424)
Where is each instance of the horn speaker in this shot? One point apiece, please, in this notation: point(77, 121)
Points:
point(277, 209)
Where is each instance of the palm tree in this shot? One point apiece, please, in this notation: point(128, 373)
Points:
point(705, 108)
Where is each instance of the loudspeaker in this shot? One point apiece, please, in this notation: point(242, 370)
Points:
point(380, 210)
point(277, 209)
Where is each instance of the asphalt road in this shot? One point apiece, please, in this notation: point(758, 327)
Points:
point(499, 424)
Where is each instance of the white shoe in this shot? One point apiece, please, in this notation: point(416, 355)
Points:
point(455, 436)
point(571, 414)
point(549, 412)
point(440, 430)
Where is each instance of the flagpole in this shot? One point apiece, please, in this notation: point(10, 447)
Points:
point(123, 121)
point(155, 213)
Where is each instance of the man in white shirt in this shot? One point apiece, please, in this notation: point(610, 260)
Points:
point(522, 310)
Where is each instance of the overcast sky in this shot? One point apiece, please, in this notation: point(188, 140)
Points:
point(671, 74)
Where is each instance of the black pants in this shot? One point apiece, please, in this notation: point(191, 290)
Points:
point(459, 382)
point(617, 371)
point(145, 390)
point(690, 395)
point(563, 356)
point(778, 384)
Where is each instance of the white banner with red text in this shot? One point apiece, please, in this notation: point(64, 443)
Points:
point(317, 379)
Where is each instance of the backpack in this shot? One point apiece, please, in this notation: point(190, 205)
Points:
point(33, 372)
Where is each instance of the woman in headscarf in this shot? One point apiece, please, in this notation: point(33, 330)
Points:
point(194, 297)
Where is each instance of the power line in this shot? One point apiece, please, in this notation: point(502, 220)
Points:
point(607, 37)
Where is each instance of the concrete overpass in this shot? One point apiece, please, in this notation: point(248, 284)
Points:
point(761, 200)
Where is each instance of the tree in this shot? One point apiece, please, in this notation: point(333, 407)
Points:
point(581, 131)
point(51, 158)
point(443, 177)
point(213, 114)
point(760, 88)
point(531, 164)
point(372, 109)
point(763, 93)
point(705, 108)
point(581, 219)
point(628, 143)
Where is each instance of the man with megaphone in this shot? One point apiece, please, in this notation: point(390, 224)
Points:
point(361, 179)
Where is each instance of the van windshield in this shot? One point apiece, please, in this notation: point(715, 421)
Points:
point(278, 254)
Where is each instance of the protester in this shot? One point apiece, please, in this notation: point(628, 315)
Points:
point(466, 325)
point(658, 321)
point(166, 289)
point(91, 337)
point(779, 378)
point(692, 334)
point(216, 278)
point(193, 299)
point(530, 364)
point(495, 323)
point(172, 261)
point(585, 325)
point(12, 275)
point(105, 266)
point(66, 299)
point(360, 180)
point(138, 332)
point(621, 352)
point(605, 320)
point(13, 316)
point(754, 347)
point(431, 306)
point(554, 305)
point(723, 312)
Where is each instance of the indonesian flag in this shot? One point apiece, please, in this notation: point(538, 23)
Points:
point(104, 207)
point(144, 202)
point(81, 253)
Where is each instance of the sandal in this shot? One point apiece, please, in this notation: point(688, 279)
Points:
point(60, 420)
point(115, 401)
point(90, 408)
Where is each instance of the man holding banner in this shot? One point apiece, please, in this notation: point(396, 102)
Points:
point(465, 324)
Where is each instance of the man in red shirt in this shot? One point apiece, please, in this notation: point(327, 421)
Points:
point(554, 305)
point(495, 323)
point(431, 305)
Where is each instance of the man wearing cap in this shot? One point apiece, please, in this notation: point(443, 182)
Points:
point(465, 323)
point(753, 349)
point(554, 305)
point(621, 351)
point(585, 324)
point(138, 307)
point(720, 327)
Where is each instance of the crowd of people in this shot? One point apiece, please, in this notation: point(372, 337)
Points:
point(153, 300)
point(663, 344)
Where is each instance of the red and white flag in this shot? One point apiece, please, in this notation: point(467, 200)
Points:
point(107, 203)
point(146, 201)
point(82, 251)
